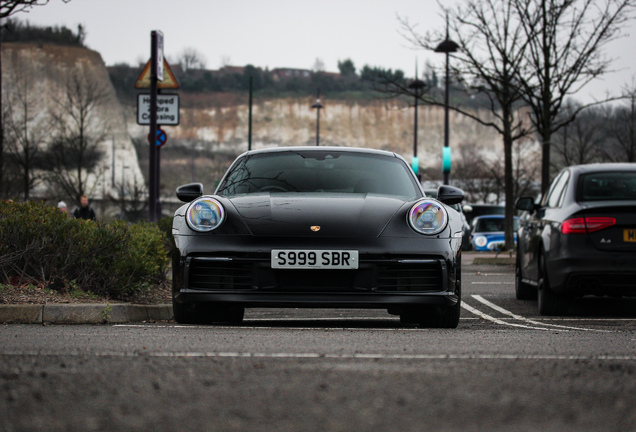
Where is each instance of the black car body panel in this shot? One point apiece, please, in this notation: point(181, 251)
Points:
point(585, 261)
point(398, 268)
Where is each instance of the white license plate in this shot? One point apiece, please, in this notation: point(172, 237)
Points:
point(314, 259)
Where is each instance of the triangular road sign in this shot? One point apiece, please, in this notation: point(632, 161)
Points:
point(169, 80)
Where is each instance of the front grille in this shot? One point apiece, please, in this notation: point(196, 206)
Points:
point(424, 276)
point(316, 280)
point(219, 273)
point(252, 273)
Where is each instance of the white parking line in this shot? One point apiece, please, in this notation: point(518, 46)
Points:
point(496, 320)
point(315, 355)
point(528, 320)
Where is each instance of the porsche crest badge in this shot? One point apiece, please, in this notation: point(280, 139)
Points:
point(315, 228)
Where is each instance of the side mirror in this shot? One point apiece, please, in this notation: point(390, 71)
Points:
point(189, 192)
point(450, 195)
point(525, 203)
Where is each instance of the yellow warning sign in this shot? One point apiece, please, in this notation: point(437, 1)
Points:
point(169, 80)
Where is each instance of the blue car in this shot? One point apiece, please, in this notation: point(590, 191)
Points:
point(488, 232)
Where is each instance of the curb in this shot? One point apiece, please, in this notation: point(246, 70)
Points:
point(488, 258)
point(93, 313)
point(493, 261)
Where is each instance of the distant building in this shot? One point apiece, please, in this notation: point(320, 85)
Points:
point(232, 70)
point(280, 74)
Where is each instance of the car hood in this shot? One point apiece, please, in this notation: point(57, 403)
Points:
point(336, 215)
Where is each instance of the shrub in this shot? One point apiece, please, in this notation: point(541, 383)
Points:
point(165, 225)
point(40, 244)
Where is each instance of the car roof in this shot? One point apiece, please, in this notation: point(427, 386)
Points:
point(321, 148)
point(601, 167)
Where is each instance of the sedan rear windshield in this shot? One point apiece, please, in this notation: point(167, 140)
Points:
point(320, 171)
point(607, 186)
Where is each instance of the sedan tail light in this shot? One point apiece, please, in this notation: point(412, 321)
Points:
point(588, 224)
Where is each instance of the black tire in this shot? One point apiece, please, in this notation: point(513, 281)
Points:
point(432, 316)
point(549, 302)
point(183, 314)
point(411, 315)
point(219, 313)
point(435, 316)
point(207, 313)
point(523, 291)
point(449, 315)
point(422, 316)
point(233, 314)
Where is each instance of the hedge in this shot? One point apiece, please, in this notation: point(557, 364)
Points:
point(39, 244)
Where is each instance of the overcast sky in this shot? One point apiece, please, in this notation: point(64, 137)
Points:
point(276, 33)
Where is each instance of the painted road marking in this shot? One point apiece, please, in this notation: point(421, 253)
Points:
point(528, 320)
point(315, 355)
point(497, 320)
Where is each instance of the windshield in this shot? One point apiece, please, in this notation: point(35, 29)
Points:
point(605, 186)
point(320, 171)
point(494, 225)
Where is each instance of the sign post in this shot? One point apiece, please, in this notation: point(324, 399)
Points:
point(156, 73)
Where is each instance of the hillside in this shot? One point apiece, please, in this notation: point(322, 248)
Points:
point(38, 79)
point(214, 125)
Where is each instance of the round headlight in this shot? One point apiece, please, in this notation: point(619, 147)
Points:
point(428, 217)
point(481, 241)
point(205, 214)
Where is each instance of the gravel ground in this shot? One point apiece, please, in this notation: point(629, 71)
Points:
point(39, 294)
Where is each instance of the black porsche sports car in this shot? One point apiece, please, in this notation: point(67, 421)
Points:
point(580, 239)
point(318, 227)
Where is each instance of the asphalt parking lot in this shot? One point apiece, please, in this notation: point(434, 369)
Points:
point(504, 368)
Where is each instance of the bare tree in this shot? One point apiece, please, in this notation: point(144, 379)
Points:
point(474, 173)
point(8, 8)
point(526, 167)
point(621, 127)
point(319, 65)
point(26, 130)
point(225, 60)
point(481, 175)
point(566, 39)
point(580, 141)
point(131, 198)
point(492, 50)
point(74, 152)
point(190, 58)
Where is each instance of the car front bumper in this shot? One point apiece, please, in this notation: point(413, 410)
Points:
point(245, 276)
point(376, 283)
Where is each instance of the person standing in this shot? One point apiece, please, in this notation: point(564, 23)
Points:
point(61, 206)
point(84, 211)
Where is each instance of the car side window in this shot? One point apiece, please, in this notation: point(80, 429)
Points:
point(546, 196)
point(556, 194)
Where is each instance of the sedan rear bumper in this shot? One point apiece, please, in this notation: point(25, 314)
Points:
point(596, 273)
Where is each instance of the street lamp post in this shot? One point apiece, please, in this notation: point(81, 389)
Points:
point(447, 46)
point(417, 85)
point(318, 107)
